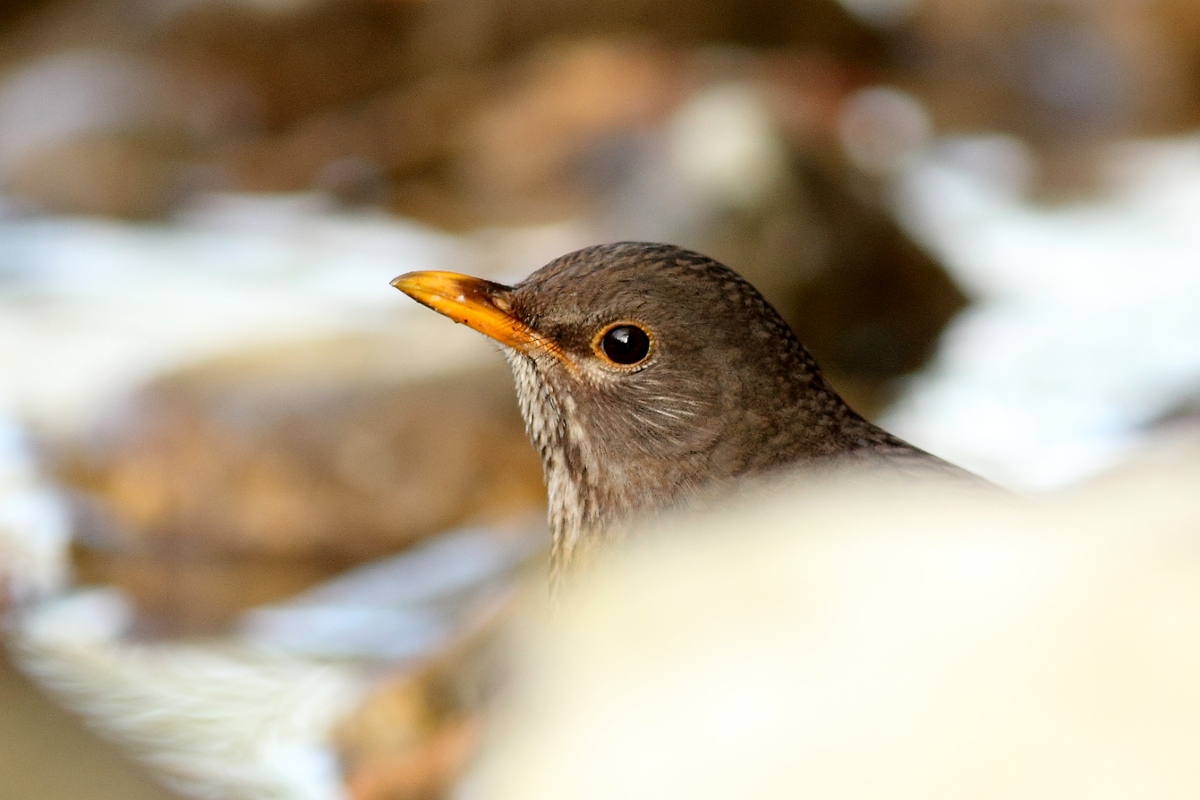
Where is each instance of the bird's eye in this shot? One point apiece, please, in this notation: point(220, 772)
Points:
point(625, 344)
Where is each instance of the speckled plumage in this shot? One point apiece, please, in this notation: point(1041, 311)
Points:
point(727, 391)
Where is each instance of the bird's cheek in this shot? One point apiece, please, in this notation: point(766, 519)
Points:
point(669, 426)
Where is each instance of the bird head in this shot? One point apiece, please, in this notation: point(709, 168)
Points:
point(645, 373)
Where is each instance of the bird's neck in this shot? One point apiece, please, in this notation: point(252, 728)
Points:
point(576, 520)
point(584, 502)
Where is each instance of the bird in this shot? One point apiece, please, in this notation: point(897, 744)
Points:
point(649, 375)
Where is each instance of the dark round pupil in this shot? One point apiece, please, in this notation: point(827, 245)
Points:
point(626, 344)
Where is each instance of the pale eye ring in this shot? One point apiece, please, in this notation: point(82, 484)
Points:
point(625, 344)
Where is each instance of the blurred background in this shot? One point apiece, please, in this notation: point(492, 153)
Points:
point(259, 513)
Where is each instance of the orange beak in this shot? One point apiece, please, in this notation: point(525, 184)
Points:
point(474, 302)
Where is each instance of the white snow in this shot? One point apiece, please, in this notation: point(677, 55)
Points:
point(1086, 324)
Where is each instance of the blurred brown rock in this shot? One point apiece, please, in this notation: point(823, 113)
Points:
point(413, 737)
point(279, 94)
point(329, 450)
point(1067, 77)
point(490, 31)
point(241, 482)
point(270, 97)
point(195, 595)
point(297, 59)
point(111, 175)
point(401, 134)
point(1042, 69)
point(399, 745)
point(427, 772)
point(525, 150)
point(874, 303)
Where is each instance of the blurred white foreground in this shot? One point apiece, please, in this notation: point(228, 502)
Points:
point(855, 640)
